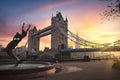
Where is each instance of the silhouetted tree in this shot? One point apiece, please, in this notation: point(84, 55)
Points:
point(113, 9)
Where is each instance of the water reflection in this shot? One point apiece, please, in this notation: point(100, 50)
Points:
point(96, 55)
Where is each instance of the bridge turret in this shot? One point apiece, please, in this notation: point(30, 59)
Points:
point(66, 20)
point(58, 18)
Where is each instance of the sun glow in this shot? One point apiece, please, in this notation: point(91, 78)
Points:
point(83, 18)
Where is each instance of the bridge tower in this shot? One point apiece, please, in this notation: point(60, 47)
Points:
point(57, 37)
point(77, 45)
point(33, 41)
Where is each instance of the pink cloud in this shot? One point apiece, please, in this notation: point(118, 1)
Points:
point(3, 40)
point(56, 4)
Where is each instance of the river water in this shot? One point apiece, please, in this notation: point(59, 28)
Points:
point(95, 55)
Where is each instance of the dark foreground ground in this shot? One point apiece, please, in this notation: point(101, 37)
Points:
point(98, 70)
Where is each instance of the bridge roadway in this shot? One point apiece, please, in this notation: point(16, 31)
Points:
point(91, 49)
point(42, 31)
point(81, 50)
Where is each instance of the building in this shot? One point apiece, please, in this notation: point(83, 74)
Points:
point(21, 51)
point(1, 47)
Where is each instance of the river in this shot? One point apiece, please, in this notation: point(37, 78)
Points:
point(95, 55)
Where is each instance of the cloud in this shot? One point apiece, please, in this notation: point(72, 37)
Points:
point(56, 4)
point(111, 35)
point(3, 40)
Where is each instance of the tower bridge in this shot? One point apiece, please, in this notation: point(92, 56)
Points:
point(57, 37)
point(60, 34)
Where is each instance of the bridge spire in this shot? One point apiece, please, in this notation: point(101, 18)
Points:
point(59, 16)
point(66, 20)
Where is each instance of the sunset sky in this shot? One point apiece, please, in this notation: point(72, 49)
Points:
point(84, 18)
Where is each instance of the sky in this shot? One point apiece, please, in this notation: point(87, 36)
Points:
point(84, 18)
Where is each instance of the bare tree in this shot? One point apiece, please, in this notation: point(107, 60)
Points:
point(113, 9)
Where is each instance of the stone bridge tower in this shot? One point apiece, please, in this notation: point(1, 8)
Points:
point(57, 36)
point(33, 41)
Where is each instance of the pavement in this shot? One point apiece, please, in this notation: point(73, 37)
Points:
point(75, 70)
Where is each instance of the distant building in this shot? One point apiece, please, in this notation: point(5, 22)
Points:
point(70, 47)
point(1, 47)
point(21, 51)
